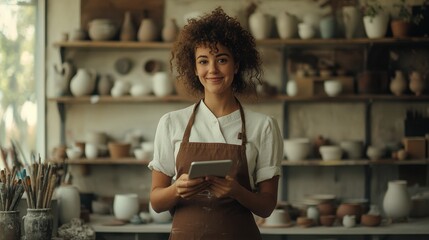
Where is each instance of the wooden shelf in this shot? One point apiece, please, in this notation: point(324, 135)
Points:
point(359, 162)
point(102, 161)
point(274, 42)
point(177, 98)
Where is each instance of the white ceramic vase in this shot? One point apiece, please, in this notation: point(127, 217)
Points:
point(291, 88)
point(260, 25)
point(376, 27)
point(83, 83)
point(397, 201)
point(287, 25)
point(125, 206)
point(69, 203)
point(162, 84)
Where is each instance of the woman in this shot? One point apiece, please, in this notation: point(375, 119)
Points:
point(213, 55)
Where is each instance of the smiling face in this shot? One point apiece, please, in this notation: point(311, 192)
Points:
point(215, 69)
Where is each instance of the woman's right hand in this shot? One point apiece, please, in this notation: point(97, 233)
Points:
point(186, 188)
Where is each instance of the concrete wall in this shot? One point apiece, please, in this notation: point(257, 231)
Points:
point(336, 121)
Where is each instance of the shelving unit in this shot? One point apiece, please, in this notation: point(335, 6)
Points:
point(284, 46)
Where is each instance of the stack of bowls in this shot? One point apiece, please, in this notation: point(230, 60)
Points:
point(331, 152)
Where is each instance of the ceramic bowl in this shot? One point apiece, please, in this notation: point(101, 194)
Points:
point(277, 217)
point(370, 220)
point(296, 149)
point(353, 149)
point(332, 87)
point(374, 153)
point(306, 31)
point(73, 153)
point(102, 29)
point(141, 154)
point(330, 152)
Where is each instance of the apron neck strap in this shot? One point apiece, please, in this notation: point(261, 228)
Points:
point(192, 120)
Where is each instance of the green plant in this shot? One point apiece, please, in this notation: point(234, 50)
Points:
point(405, 13)
point(371, 8)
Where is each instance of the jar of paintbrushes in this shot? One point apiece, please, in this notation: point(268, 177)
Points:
point(11, 191)
point(39, 186)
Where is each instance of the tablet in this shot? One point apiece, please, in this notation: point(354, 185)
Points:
point(218, 168)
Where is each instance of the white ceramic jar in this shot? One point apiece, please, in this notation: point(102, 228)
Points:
point(162, 84)
point(397, 201)
point(69, 203)
point(125, 206)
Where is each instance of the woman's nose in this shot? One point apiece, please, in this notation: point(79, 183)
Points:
point(213, 67)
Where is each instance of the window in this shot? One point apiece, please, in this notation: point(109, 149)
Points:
point(18, 94)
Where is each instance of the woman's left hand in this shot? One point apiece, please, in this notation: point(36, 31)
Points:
point(222, 187)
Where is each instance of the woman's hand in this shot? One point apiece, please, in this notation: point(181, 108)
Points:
point(222, 187)
point(186, 188)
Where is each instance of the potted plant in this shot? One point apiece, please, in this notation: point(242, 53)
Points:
point(401, 24)
point(375, 19)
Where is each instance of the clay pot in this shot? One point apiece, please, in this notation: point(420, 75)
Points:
point(83, 83)
point(349, 209)
point(327, 220)
point(326, 208)
point(400, 29)
point(69, 203)
point(38, 224)
point(286, 25)
point(125, 206)
point(304, 222)
point(119, 150)
point(376, 27)
point(370, 220)
point(148, 31)
point(10, 226)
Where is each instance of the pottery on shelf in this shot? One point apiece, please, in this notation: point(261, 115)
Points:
point(69, 203)
point(397, 201)
point(417, 83)
point(170, 30)
point(351, 19)
point(162, 84)
point(102, 29)
point(83, 83)
point(125, 206)
point(287, 25)
point(128, 30)
point(398, 84)
point(260, 25)
point(327, 27)
point(376, 26)
point(148, 31)
point(63, 75)
point(105, 84)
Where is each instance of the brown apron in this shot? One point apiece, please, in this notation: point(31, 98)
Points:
point(204, 216)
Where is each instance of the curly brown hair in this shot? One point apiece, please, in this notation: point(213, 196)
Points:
point(209, 30)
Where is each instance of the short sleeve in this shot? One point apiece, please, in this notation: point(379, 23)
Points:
point(270, 153)
point(163, 156)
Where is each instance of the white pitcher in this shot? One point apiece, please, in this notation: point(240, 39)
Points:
point(397, 201)
point(83, 83)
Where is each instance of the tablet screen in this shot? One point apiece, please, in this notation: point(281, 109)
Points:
point(218, 168)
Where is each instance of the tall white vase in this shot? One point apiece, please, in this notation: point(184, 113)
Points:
point(287, 25)
point(397, 201)
point(69, 203)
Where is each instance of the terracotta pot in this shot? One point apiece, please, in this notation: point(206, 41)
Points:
point(349, 209)
point(119, 150)
point(370, 220)
point(327, 220)
point(326, 208)
point(400, 29)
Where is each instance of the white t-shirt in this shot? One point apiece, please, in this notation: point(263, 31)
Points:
point(264, 148)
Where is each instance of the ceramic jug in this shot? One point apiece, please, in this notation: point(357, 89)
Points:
point(83, 83)
point(398, 83)
point(260, 25)
point(287, 25)
point(170, 30)
point(397, 201)
point(63, 75)
point(417, 84)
